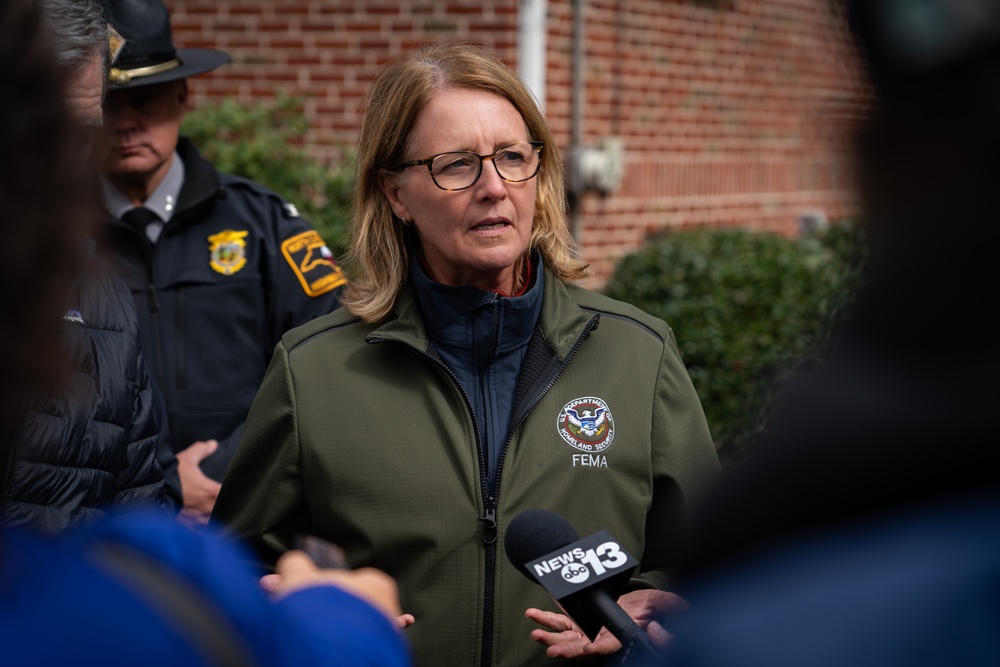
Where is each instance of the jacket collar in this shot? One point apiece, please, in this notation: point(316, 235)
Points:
point(563, 319)
point(201, 180)
point(451, 312)
point(561, 323)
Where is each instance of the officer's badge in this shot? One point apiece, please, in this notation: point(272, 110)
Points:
point(312, 262)
point(227, 251)
point(586, 424)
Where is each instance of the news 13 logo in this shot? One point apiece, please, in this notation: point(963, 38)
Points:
point(581, 564)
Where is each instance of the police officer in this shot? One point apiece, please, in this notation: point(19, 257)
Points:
point(219, 266)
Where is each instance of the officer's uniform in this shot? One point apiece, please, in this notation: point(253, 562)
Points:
point(232, 268)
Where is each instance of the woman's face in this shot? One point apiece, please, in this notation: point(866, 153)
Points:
point(471, 236)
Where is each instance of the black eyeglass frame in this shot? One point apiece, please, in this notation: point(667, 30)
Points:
point(537, 145)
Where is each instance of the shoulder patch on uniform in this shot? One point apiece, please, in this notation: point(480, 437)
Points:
point(227, 251)
point(312, 262)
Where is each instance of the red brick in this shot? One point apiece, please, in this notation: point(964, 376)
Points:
point(738, 115)
point(393, 9)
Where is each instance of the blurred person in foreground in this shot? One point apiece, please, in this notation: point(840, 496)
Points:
point(91, 447)
point(482, 381)
point(865, 528)
point(219, 266)
point(137, 589)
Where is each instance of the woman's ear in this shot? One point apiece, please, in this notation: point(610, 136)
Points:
point(389, 183)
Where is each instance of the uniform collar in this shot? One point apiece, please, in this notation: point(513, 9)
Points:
point(163, 201)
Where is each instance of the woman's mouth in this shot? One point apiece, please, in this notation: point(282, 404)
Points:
point(491, 227)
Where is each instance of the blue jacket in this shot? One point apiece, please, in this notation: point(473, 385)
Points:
point(910, 589)
point(145, 590)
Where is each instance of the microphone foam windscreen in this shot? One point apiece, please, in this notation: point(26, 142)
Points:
point(534, 533)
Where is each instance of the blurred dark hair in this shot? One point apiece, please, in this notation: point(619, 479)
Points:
point(933, 138)
point(78, 31)
point(901, 415)
point(42, 197)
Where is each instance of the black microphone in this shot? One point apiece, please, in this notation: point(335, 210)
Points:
point(584, 576)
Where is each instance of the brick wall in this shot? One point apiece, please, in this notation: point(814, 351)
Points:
point(327, 52)
point(732, 112)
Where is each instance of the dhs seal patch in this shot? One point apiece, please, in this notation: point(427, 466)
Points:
point(586, 424)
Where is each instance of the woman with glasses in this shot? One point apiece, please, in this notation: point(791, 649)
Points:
point(467, 379)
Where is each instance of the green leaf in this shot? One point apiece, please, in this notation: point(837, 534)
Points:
point(265, 142)
point(746, 308)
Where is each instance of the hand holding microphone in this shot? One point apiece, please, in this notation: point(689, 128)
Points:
point(564, 639)
point(584, 576)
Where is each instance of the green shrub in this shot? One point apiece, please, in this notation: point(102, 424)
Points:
point(264, 142)
point(745, 307)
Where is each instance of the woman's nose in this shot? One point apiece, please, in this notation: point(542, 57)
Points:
point(490, 185)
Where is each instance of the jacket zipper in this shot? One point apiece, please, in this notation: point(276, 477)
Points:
point(491, 501)
point(489, 518)
point(154, 310)
point(148, 250)
point(591, 325)
point(494, 499)
point(180, 363)
point(154, 302)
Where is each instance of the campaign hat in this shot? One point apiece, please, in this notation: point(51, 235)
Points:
point(147, 54)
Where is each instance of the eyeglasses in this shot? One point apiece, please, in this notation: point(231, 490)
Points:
point(459, 170)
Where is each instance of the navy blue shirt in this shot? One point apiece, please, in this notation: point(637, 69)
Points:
point(482, 337)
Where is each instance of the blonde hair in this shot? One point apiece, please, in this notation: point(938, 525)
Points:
point(379, 242)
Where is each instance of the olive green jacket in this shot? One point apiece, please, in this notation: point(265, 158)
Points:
point(361, 436)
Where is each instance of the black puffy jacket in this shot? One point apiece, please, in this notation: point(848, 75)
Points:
point(90, 449)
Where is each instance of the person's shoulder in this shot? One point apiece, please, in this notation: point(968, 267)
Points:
point(337, 327)
point(243, 184)
point(101, 277)
point(106, 298)
point(612, 310)
point(261, 195)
